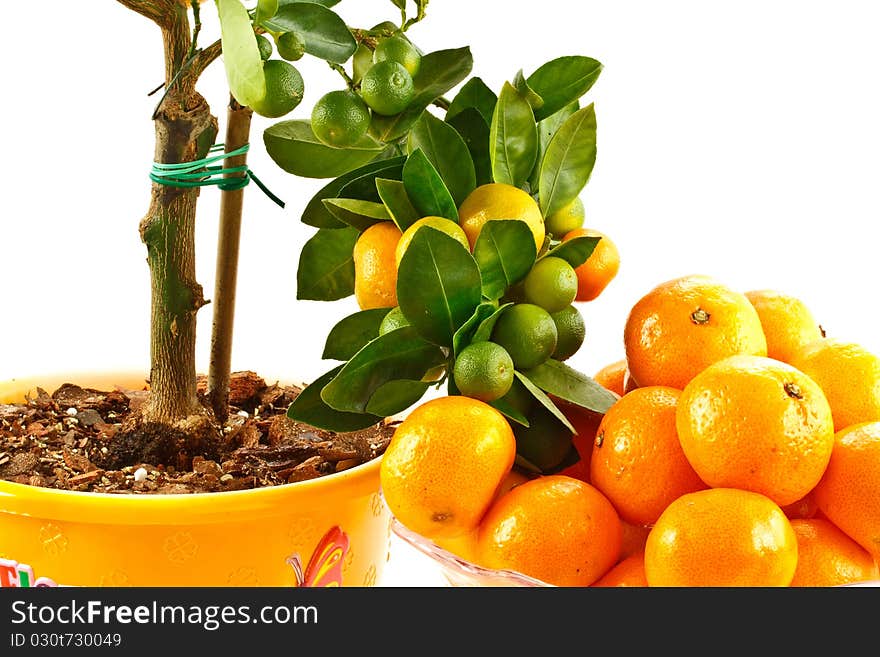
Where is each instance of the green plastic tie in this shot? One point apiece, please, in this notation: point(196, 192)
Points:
point(199, 174)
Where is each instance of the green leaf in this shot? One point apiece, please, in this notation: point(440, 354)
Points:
point(396, 396)
point(505, 252)
point(265, 9)
point(509, 411)
point(396, 200)
point(241, 55)
point(350, 334)
point(513, 138)
point(575, 251)
point(474, 94)
point(484, 330)
point(356, 213)
point(465, 333)
point(438, 285)
point(446, 150)
point(562, 81)
point(293, 146)
point(439, 72)
point(399, 354)
point(426, 189)
point(323, 32)
point(569, 161)
point(310, 409)
point(546, 130)
point(545, 401)
point(527, 92)
point(474, 130)
point(326, 268)
point(359, 183)
point(400, 4)
point(567, 383)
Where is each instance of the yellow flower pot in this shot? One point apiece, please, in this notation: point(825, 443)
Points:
point(329, 531)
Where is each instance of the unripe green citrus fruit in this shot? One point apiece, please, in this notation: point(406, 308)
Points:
point(528, 333)
point(387, 87)
point(284, 89)
point(484, 371)
point(398, 49)
point(340, 118)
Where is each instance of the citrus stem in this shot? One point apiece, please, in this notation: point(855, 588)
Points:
point(339, 69)
point(238, 129)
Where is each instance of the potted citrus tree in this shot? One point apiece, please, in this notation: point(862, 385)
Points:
point(192, 480)
point(171, 478)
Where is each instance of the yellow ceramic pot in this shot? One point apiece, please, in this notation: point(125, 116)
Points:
point(329, 531)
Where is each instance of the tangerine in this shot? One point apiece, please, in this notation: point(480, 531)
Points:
point(683, 325)
point(847, 493)
point(444, 464)
point(756, 423)
point(600, 268)
point(553, 528)
point(721, 537)
point(637, 460)
point(849, 375)
point(786, 320)
point(828, 557)
point(375, 268)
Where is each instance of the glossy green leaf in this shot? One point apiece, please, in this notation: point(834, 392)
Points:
point(567, 383)
point(293, 146)
point(522, 86)
point(568, 162)
point(505, 252)
point(326, 268)
point(446, 150)
point(400, 354)
point(350, 334)
point(359, 183)
point(562, 81)
point(465, 333)
point(575, 251)
point(323, 32)
point(400, 4)
point(484, 330)
point(426, 189)
point(513, 138)
point(356, 213)
point(396, 200)
point(474, 94)
point(396, 396)
point(438, 285)
point(545, 401)
point(474, 130)
point(439, 72)
point(310, 409)
point(241, 55)
point(546, 130)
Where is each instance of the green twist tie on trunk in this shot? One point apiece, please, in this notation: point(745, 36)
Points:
point(199, 174)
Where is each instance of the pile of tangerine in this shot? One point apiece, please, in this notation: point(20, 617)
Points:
point(743, 450)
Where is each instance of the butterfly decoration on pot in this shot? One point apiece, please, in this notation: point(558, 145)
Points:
point(325, 565)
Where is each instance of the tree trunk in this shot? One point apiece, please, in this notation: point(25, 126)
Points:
point(168, 231)
point(185, 130)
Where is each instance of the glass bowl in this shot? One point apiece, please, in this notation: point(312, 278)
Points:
point(457, 571)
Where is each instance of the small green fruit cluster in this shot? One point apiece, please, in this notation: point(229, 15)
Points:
point(383, 85)
point(284, 83)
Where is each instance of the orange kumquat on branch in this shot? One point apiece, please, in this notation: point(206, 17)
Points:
point(460, 232)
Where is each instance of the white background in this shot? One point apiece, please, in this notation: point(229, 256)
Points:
point(739, 140)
